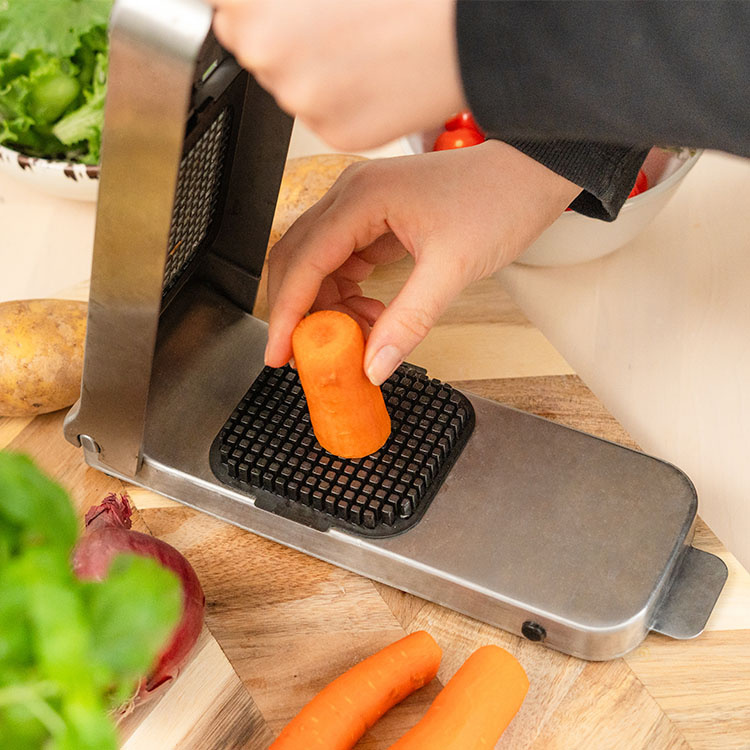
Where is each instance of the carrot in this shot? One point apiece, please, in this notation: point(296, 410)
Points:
point(347, 411)
point(345, 709)
point(474, 708)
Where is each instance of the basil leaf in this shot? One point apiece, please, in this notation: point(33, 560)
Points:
point(35, 504)
point(132, 613)
point(69, 650)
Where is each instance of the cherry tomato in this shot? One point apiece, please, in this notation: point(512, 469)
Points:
point(641, 184)
point(463, 119)
point(457, 139)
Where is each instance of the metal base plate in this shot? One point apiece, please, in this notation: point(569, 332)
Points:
point(538, 529)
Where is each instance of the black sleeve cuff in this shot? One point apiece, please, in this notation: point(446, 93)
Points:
point(606, 172)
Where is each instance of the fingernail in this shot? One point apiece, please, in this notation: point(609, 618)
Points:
point(383, 364)
point(265, 354)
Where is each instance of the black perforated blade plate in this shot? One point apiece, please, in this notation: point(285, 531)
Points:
point(267, 448)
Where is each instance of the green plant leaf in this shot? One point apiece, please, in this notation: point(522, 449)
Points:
point(53, 56)
point(133, 613)
point(20, 728)
point(87, 725)
point(38, 507)
point(8, 541)
point(16, 650)
point(55, 26)
point(86, 122)
point(68, 649)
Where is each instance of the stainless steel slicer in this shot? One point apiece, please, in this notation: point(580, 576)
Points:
point(544, 531)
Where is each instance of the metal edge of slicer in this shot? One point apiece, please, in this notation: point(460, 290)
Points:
point(544, 531)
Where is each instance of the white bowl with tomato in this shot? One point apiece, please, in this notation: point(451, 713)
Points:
point(574, 238)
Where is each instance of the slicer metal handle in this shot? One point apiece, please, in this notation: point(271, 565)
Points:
point(153, 48)
point(687, 605)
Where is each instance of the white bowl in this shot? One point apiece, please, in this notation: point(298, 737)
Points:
point(574, 238)
point(61, 178)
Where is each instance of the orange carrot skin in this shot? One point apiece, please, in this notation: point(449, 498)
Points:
point(344, 710)
point(474, 708)
point(347, 411)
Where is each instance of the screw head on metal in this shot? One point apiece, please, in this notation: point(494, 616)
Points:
point(533, 631)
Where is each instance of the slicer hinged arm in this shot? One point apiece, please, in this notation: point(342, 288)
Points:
point(192, 157)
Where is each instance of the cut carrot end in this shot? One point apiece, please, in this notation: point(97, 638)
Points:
point(347, 411)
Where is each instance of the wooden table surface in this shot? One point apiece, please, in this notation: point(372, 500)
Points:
point(280, 625)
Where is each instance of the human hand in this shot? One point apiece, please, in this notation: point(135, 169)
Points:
point(358, 73)
point(461, 214)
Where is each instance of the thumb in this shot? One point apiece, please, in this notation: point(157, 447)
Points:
point(408, 319)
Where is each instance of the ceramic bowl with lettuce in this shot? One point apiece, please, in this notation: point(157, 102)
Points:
point(53, 77)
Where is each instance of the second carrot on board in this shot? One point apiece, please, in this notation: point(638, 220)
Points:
point(474, 708)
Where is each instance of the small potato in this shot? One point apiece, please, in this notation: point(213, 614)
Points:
point(306, 180)
point(41, 355)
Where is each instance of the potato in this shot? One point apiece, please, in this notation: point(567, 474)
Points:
point(41, 355)
point(306, 180)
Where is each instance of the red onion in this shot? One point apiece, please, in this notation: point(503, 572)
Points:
point(107, 534)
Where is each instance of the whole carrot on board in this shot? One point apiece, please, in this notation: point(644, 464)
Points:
point(345, 709)
point(347, 411)
point(474, 708)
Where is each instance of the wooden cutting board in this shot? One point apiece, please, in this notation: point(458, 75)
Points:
point(280, 625)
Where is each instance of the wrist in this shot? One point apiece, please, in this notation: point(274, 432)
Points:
point(533, 196)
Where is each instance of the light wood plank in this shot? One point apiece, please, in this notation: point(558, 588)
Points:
point(564, 399)
point(143, 498)
point(702, 685)
point(482, 333)
point(12, 427)
point(206, 707)
point(405, 607)
point(608, 707)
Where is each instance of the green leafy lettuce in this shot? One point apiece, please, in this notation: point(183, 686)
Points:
point(53, 76)
point(69, 651)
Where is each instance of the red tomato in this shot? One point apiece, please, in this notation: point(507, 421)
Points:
point(641, 184)
point(457, 139)
point(463, 119)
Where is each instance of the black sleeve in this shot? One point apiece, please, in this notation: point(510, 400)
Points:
point(570, 82)
point(605, 171)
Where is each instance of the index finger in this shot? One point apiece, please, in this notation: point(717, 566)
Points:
point(305, 256)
